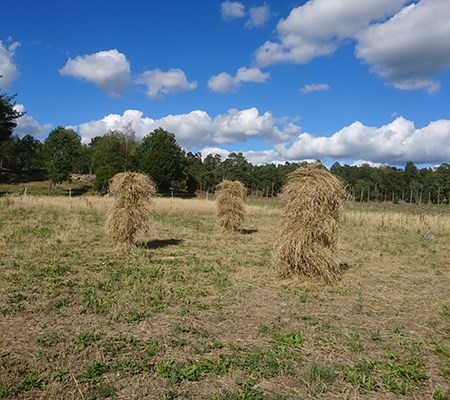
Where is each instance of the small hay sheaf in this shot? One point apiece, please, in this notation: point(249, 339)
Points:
point(230, 205)
point(133, 193)
point(310, 224)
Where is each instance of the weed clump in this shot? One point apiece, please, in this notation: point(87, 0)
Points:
point(313, 200)
point(133, 193)
point(230, 205)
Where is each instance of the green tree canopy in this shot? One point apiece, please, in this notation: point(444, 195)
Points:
point(8, 116)
point(162, 158)
point(111, 154)
point(28, 152)
point(212, 172)
point(62, 148)
point(8, 121)
point(194, 172)
point(237, 168)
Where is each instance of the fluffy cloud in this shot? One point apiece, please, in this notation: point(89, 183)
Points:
point(318, 27)
point(263, 157)
point(404, 45)
point(193, 129)
point(393, 143)
point(8, 70)
point(314, 87)
point(27, 125)
point(411, 47)
point(115, 122)
point(206, 151)
point(255, 157)
point(197, 128)
point(231, 10)
point(109, 70)
point(236, 126)
point(258, 16)
point(360, 163)
point(161, 83)
point(224, 82)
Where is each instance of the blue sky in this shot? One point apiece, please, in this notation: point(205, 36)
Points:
point(335, 80)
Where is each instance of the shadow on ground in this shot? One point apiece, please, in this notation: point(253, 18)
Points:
point(248, 231)
point(157, 244)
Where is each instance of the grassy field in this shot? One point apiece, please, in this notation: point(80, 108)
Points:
point(194, 314)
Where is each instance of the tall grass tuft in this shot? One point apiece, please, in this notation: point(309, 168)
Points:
point(310, 224)
point(230, 205)
point(133, 193)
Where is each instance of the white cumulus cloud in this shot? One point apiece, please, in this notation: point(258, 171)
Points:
point(314, 87)
point(238, 125)
point(231, 10)
point(225, 82)
point(319, 27)
point(27, 125)
point(405, 43)
point(197, 128)
point(222, 83)
point(109, 70)
point(116, 122)
point(160, 83)
point(410, 48)
point(206, 151)
point(396, 142)
point(360, 163)
point(258, 16)
point(8, 70)
point(262, 157)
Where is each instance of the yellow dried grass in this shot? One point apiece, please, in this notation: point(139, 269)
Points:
point(310, 224)
point(230, 205)
point(133, 193)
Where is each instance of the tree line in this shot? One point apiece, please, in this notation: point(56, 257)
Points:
point(175, 170)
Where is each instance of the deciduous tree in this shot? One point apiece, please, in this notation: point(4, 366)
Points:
point(111, 154)
point(162, 158)
point(62, 148)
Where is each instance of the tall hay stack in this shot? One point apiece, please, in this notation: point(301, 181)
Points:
point(310, 224)
point(133, 193)
point(230, 205)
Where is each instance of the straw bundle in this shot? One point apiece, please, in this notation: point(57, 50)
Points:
point(230, 205)
point(133, 194)
point(310, 224)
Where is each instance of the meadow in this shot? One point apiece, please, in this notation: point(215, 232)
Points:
point(192, 313)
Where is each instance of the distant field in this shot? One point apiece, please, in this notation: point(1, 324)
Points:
point(43, 188)
point(194, 314)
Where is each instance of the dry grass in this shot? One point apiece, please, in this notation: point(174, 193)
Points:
point(230, 206)
point(184, 317)
point(310, 224)
point(133, 193)
point(60, 204)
